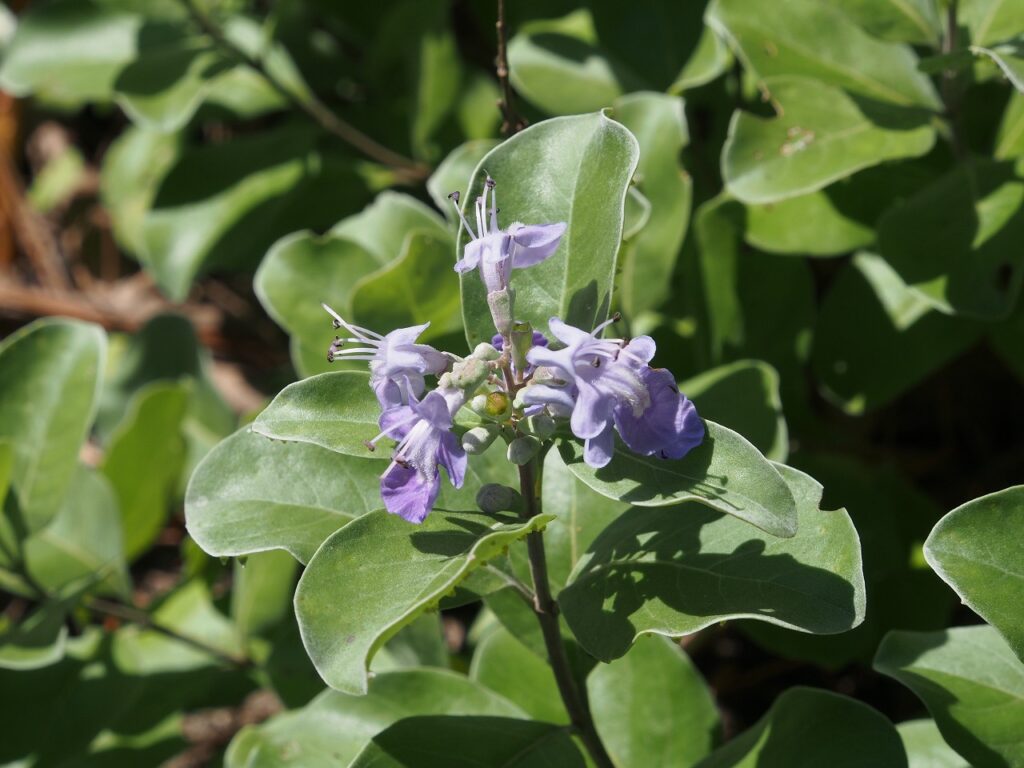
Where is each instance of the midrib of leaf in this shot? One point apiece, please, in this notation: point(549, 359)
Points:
point(916, 18)
point(611, 566)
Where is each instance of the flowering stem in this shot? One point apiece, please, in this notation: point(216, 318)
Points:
point(513, 123)
point(546, 610)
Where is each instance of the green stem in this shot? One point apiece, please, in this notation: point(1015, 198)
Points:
point(546, 610)
point(950, 84)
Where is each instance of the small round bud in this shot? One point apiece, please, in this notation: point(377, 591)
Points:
point(493, 498)
point(485, 351)
point(479, 404)
point(469, 373)
point(479, 439)
point(498, 405)
point(522, 450)
point(541, 424)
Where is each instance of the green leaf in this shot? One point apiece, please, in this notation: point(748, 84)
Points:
point(36, 641)
point(971, 683)
point(1009, 57)
point(977, 549)
point(70, 52)
point(990, 21)
point(725, 473)
point(383, 227)
point(892, 517)
point(82, 545)
point(506, 666)
point(482, 742)
point(1010, 140)
point(955, 242)
point(261, 592)
point(144, 462)
point(571, 169)
point(672, 571)
point(813, 39)
point(299, 273)
point(659, 125)
point(381, 554)
point(710, 59)
point(129, 176)
point(215, 209)
point(337, 411)
point(902, 21)
point(50, 374)
point(563, 74)
point(819, 135)
point(811, 727)
point(808, 225)
point(454, 174)
point(893, 329)
point(420, 286)
point(925, 746)
point(651, 707)
point(419, 644)
point(744, 396)
point(252, 494)
point(334, 727)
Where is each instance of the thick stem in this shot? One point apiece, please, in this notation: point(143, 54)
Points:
point(546, 610)
point(513, 123)
point(408, 169)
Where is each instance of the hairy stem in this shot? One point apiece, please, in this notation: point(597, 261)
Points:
point(512, 123)
point(143, 619)
point(546, 610)
point(405, 168)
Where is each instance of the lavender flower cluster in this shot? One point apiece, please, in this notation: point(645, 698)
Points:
point(520, 386)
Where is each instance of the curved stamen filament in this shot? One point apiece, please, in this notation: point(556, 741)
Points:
point(454, 197)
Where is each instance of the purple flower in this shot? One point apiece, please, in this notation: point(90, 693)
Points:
point(498, 251)
point(397, 363)
point(607, 384)
point(539, 340)
point(410, 484)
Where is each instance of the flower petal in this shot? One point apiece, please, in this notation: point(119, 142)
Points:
point(597, 451)
point(452, 457)
point(470, 257)
point(408, 493)
point(670, 426)
point(534, 243)
point(567, 334)
point(592, 412)
point(434, 409)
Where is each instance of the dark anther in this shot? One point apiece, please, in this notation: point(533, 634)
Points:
point(454, 196)
point(616, 317)
point(330, 355)
point(335, 323)
point(369, 446)
point(596, 362)
point(489, 183)
point(404, 464)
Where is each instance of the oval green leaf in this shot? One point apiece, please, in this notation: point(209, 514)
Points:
point(672, 571)
point(725, 472)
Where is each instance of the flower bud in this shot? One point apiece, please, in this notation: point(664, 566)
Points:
point(493, 498)
point(479, 439)
point(522, 450)
point(469, 373)
point(541, 425)
point(522, 342)
point(485, 351)
point(498, 406)
point(501, 304)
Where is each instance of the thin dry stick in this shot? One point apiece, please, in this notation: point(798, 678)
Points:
point(512, 123)
point(31, 231)
point(406, 168)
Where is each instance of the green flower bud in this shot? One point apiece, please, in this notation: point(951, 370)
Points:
point(501, 304)
point(479, 439)
point(522, 450)
point(469, 373)
point(541, 424)
point(493, 498)
point(485, 351)
point(498, 405)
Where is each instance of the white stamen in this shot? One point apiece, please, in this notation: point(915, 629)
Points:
point(454, 197)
